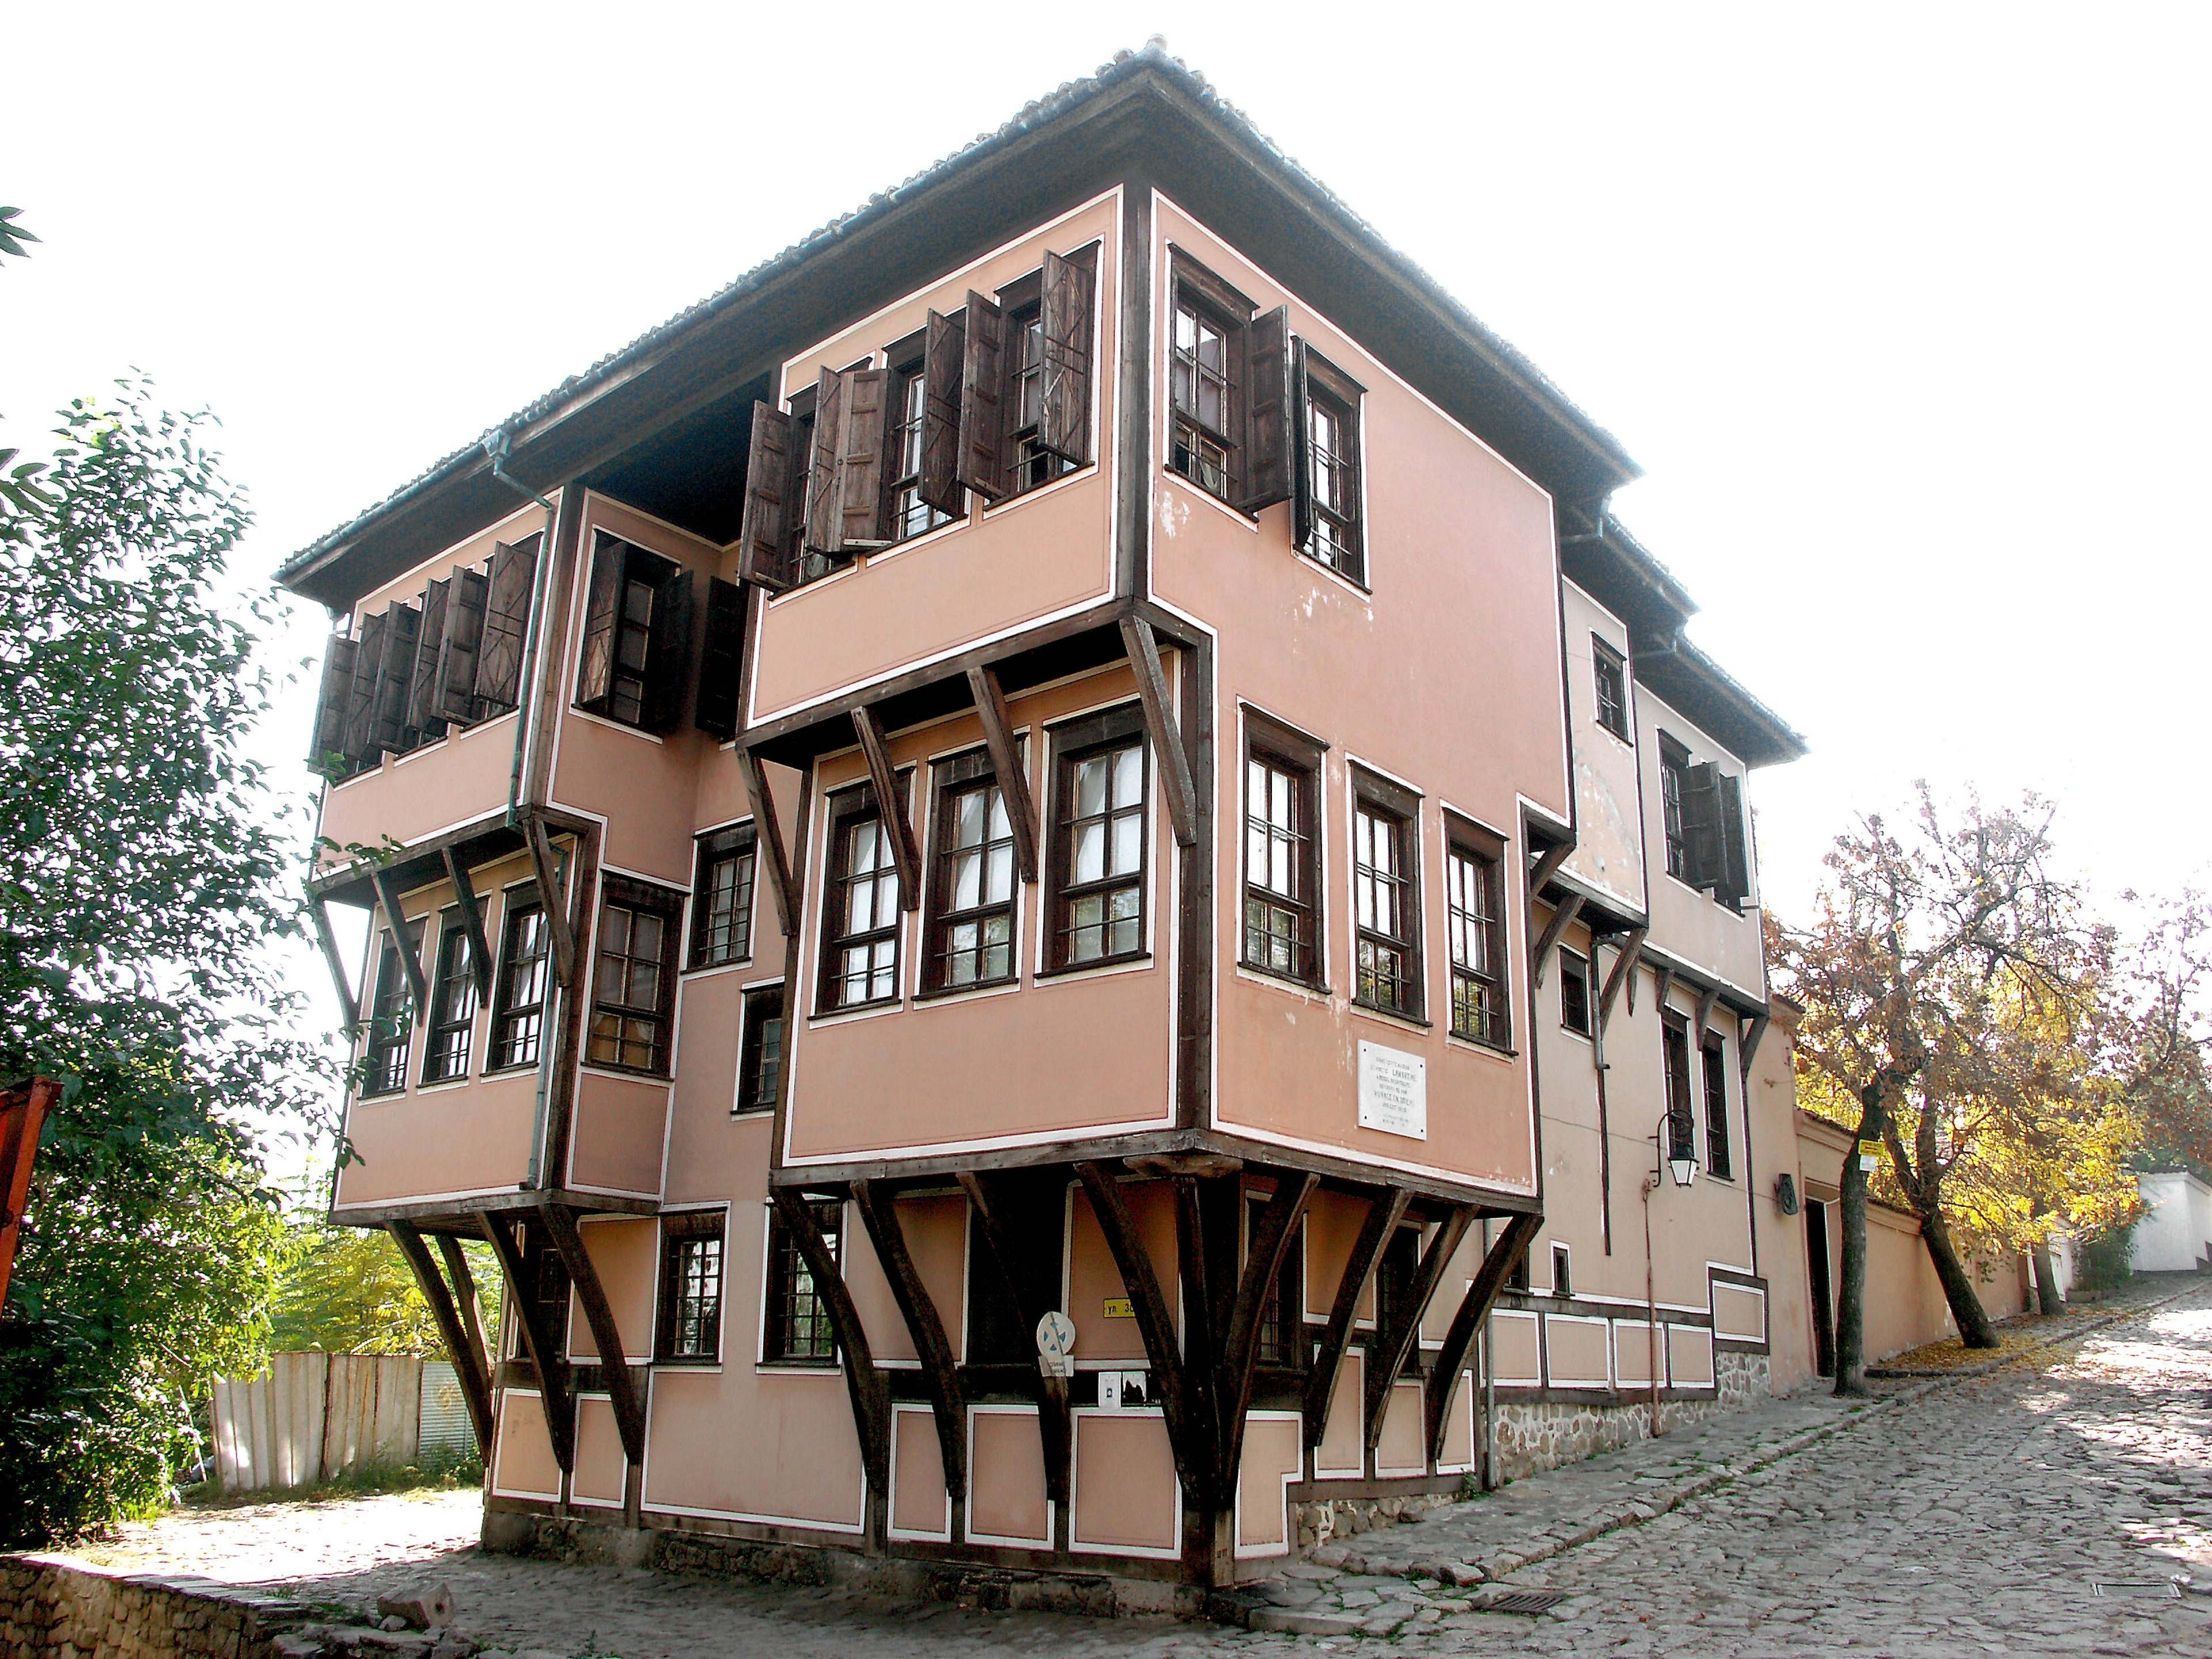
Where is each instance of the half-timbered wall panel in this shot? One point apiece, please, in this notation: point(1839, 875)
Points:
point(918, 1497)
point(621, 1128)
point(600, 1466)
point(522, 1457)
point(936, 1232)
point(1006, 1500)
point(627, 1253)
point(1274, 1454)
point(1126, 1499)
point(1097, 1300)
point(796, 1462)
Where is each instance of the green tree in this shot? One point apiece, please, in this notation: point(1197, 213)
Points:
point(348, 1290)
point(147, 874)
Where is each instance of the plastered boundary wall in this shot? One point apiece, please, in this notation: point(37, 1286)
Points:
point(51, 1608)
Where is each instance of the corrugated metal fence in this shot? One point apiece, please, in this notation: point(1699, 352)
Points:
point(317, 1415)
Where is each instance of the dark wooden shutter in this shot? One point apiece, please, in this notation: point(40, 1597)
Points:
point(1064, 414)
point(721, 660)
point(1736, 838)
point(982, 395)
point(506, 619)
point(862, 512)
point(457, 651)
point(824, 527)
point(595, 674)
point(361, 745)
point(403, 627)
point(328, 736)
point(1299, 421)
point(945, 345)
point(764, 536)
point(422, 684)
point(1267, 431)
point(668, 654)
point(1701, 825)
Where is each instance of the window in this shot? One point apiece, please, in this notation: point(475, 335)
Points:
point(1575, 991)
point(453, 1003)
point(1717, 1158)
point(1673, 782)
point(798, 1322)
point(1332, 439)
point(1202, 393)
point(861, 908)
point(1031, 462)
point(637, 630)
point(1609, 674)
point(1282, 853)
point(1386, 898)
point(519, 1009)
point(632, 987)
point(1278, 1341)
point(971, 898)
point(910, 515)
point(722, 898)
point(760, 1054)
point(690, 1288)
point(392, 1016)
point(1098, 840)
point(1681, 1117)
point(1475, 919)
point(1516, 1276)
point(1563, 1284)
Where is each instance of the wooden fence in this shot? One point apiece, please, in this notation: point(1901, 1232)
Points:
point(314, 1416)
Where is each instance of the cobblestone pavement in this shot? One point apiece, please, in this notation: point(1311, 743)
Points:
point(1965, 1516)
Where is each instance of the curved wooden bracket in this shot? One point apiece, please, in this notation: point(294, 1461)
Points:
point(1240, 1343)
point(878, 1209)
point(1481, 1296)
point(1055, 1417)
point(1154, 1322)
point(606, 1335)
point(871, 1410)
point(538, 1341)
point(459, 1327)
point(1384, 1212)
point(1386, 1359)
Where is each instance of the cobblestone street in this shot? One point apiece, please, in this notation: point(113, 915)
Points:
point(1964, 1517)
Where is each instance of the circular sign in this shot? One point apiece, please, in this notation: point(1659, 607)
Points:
point(1055, 1335)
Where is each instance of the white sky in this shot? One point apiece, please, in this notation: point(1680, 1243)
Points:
point(1903, 309)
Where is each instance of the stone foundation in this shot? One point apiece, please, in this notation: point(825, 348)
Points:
point(1320, 1520)
point(1533, 1438)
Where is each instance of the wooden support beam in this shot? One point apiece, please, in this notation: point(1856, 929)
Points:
point(1704, 1015)
point(890, 800)
point(1624, 973)
point(1200, 1335)
point(1384, 1212)
point(1553, 857)
point(770, 835)
point(1662, 988)
point(1481, 1296)
point(1240, 1342)
point(939, 1365)
point(1387, 1357)
point(1747, 1045)
point(465, 1300)
point(871, 1405)
point(465, 900)
point(538, 1341)
point(1155, 1324)
point(1569, 908)
point(606, 1335)
point(558, 933)
point(462, 1340)
point(418, 987)
point(1176, 782)
point(1006, 765)
point(1055, 1419)
point(318, 912)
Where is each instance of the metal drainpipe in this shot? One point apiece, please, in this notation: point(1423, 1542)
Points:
point(1489, 1387)
point(495, 443)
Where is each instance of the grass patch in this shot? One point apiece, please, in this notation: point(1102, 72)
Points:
point(438, 1469)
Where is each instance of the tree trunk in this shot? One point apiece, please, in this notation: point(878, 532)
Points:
point(2047, 1299)
point(1851, 1287)
point(1975, 1330)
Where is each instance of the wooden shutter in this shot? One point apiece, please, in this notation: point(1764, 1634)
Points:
point(764, 536)
point(328, 736)
point(456, 694)
point(1701, 825)
point(1064, 414)
point(721, 660)
point(945, 345)
point(506, 619)
point(395, 672)
point(422, 684)
point(595, 674)
point(863, 519)
point(361, 746)
point(1298, 419)
point(1268, 433)
point(825, 528)
point(1734, 841)
point(668, 654)
point(983, 393)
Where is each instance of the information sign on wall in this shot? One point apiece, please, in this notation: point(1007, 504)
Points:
point(1394, 1091)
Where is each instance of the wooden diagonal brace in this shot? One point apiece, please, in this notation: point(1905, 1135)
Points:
point(606, 1335)
point(890, 800)
point(557, 930)
point(1705, 1016)
point(1747, 1045)
point(462, 1338)
point(1505, 1249)
point(1386, 1359)
point(1624, 973)
point(1569, 908)
point(1662, 987)
point(1200, 1330)
point(879, 1215)
point(1006, 766)
point(769, 834)
point(1384, 1212)
point(1176, 782)
point(464, 899)
point(1240, 1344)
point(1154, 1322)
point(1056, 1420)
point(1552, 858)
point(387, 901)
point(872, 1407)
point(538, 1342)
point(318, 912)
